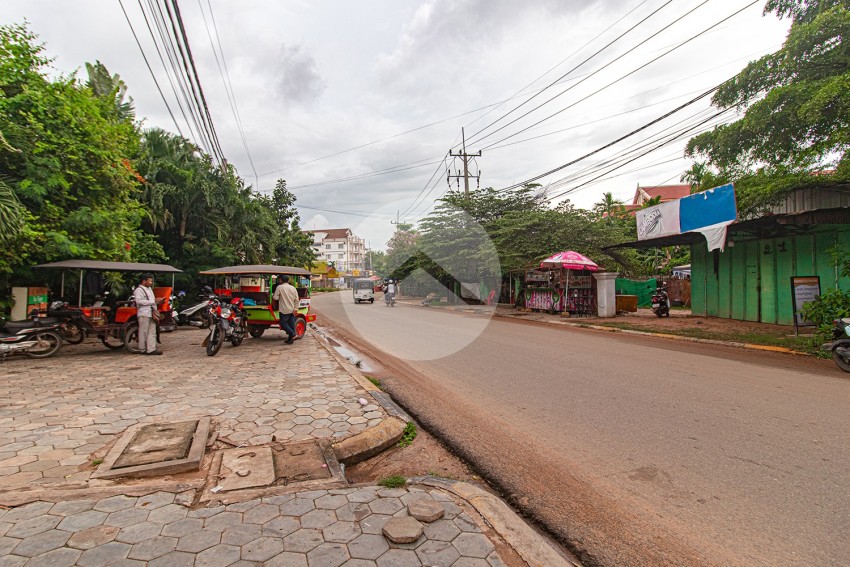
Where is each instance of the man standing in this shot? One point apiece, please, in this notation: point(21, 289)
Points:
point(145, 304)
point(287, 306)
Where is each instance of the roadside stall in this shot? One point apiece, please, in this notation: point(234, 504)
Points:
point(563, 283)
point(116, 325)
point(256, 283)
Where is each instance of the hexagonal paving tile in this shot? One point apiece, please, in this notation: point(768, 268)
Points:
point(399, 558)
point(138, 533)
point(241, 534)
point(183, 527)
point(386, 506)
point(82, 521)
point(103, 555)
point(222, 521)
point(368, 546)
point(297, 507)
point(403, 530)
point(41, 543)
point(442, 530)
point(92, 537)
point(196, 542)
point(262, 549)
point(218, 556)
point(426, 510)
point(341, 532)
point(331, 502)
point(115, 503)
point(318, 519)
point(328, 555)
point(302, 541)
point(152, 548)
point(62, 557)
point(33, 526)
point(261, 514)
point(167, 514)
point(473, 545)
point(281, 526)
point(437, 553)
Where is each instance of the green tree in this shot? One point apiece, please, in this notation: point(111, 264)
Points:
point(293, 246)
point(796, 101)
point(63, 156)
point(609, 207)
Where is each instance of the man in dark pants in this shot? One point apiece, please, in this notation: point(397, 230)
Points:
point(287, 306)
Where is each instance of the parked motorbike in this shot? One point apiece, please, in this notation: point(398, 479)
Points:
point(661, 303)
point(33, 338)
point(197, 315)
point(230, 322)
point(840, 345)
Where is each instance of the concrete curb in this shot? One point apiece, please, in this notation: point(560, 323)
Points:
point(374, 440)
point(752, 346)
point(535, 549)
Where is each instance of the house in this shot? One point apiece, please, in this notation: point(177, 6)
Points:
point(666, 193)
point(340, 248)
point(750, 280)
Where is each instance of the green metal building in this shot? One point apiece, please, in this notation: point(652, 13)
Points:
point(751, 279)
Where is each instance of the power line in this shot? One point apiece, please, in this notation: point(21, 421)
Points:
point(474, 137)
point(225, 78)
point(150, 70)
point(395, 169)
point(594, 93)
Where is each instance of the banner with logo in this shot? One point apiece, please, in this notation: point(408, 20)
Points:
point(709, 213)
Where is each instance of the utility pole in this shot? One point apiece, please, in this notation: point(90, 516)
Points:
point(396, 222)
point(465, 156)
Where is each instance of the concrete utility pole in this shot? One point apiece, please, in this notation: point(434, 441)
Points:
point(465, 156)
point(396, 222)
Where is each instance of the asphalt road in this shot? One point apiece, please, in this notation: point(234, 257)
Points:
point(632, 451)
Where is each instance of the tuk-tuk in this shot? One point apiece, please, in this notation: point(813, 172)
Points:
point(256, 284)
point(116, 326)
point(364, 290)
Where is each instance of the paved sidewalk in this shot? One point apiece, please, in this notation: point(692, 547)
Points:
point(60, 416)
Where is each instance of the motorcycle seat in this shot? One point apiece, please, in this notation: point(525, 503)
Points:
point(13, 327)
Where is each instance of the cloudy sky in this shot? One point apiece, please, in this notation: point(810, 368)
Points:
point(378, 91)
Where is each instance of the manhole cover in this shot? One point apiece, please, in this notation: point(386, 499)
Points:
point(251, 467)
point(158, 442)
point(299, 462)
point(157, 449)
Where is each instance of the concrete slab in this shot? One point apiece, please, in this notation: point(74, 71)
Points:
point(191, 461)
point(251, 467)
point(158, 442)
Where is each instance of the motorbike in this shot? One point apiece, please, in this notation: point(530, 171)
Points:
point(229, 322)
point(33, 338)
point(840, 345)
point(661, 303)
point(389, 298)
point(197, 315)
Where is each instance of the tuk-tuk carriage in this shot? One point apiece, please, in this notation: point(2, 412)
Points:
point(255, 284)
point(116, 326)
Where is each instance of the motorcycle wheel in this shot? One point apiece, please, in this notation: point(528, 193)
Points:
point(131, 339)
point(215, 341)
point(49, 343)
point(73, 333)
point(238, 336)
point(843, 362)
point(300, 327)
point(111, 340)
point(256, 332)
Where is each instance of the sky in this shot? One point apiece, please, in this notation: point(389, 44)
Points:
point(380, 91)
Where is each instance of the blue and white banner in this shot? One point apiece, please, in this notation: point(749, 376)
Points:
point(709, 213)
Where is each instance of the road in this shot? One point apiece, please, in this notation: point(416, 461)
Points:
point(630, 450)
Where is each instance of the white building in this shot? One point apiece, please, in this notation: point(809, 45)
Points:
point(342, 247)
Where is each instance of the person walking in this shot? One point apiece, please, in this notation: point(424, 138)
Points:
point(287, 306)
point(146, 302)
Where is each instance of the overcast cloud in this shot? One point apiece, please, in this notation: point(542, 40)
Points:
point(317, 78)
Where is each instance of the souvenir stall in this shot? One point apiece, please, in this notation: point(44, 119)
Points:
point(563, 283)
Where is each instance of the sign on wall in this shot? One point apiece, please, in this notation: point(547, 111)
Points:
point(709, 213)
point(804, 289)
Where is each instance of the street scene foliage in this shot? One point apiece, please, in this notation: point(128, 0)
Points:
point(81, 178)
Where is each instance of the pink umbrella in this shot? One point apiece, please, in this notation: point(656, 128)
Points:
point(569, 260)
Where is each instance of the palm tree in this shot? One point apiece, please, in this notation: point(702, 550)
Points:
point(608, 207)
point(11, 213)
point(695, 175)
point(105, 85)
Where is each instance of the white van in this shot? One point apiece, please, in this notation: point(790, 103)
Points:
point(364, 290)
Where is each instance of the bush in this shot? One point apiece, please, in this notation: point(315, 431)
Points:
point(830, 305)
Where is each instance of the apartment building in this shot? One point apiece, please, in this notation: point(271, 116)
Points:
point(342, 247)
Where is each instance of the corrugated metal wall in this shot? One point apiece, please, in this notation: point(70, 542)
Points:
point(751, 281)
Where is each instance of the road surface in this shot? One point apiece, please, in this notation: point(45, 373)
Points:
point(632, 451)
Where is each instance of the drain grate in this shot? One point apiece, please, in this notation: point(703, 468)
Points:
point(157, 449)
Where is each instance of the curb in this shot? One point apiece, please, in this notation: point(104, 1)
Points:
point(376, 439)
point(530, 545)
point(751, 346)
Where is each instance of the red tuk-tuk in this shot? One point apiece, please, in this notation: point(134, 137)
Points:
point(116, 328)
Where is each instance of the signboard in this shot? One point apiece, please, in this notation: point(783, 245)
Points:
point(804, 289)
point(708, 213)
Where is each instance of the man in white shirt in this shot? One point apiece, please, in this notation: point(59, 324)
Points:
point(389, 294)
point(145, 304)
point(287, 306)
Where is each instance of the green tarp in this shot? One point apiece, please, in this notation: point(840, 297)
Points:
point(643, 290)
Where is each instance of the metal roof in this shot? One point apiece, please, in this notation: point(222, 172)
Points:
point(110, 266)
point(257, 269)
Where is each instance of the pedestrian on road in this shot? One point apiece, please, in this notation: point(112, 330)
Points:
point(287, 306)
point(146, 303)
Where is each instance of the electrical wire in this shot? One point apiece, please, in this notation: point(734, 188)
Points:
point(474, 137)
point(225, 79)
point(150, 70)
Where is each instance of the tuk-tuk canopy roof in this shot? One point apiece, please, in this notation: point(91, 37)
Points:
point(258, 269)
point(110, 266)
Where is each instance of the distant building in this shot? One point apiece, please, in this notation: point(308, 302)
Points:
point(341, 248)
point(666, 192)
